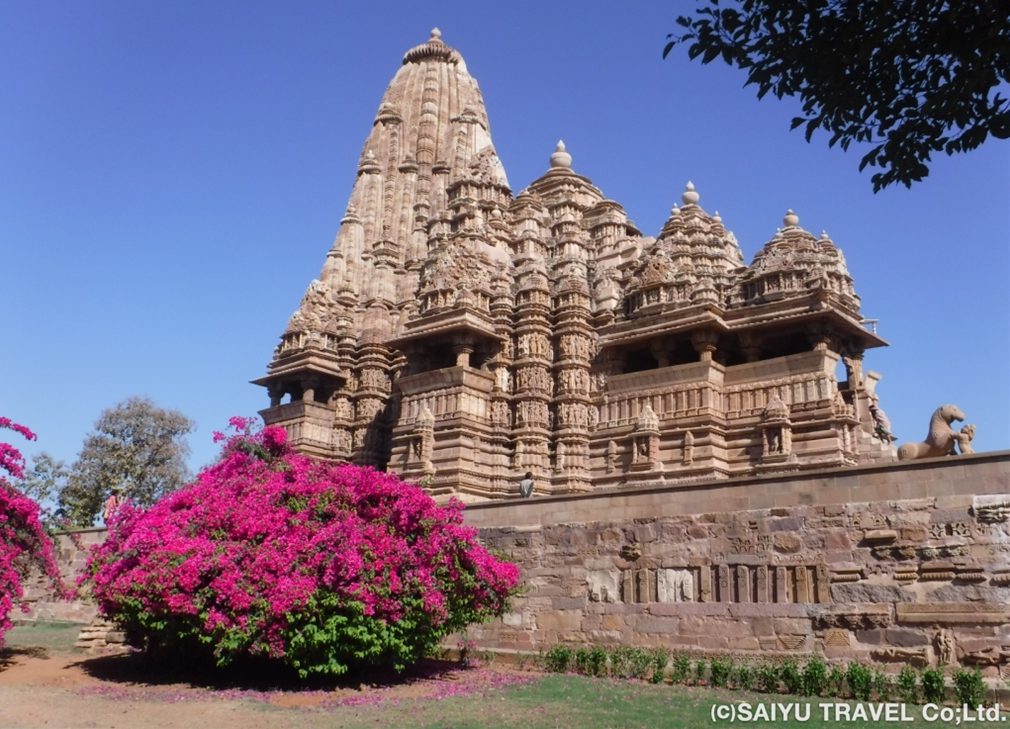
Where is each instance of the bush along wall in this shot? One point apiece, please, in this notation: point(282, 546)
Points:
point(813, 679)
point(323, 567)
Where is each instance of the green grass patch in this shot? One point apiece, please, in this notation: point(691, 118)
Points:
point(568, 701)
point(48, 636)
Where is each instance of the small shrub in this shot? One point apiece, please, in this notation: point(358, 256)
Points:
point(836, 682)
point(908, 687)
point(860, 680)
point(969, 687)
point(627, 662)
point(681, 668)
point(659, 659)
point(581, 661)
point(791, 677)
point(597, 661)
point(883, 685)
point(721, 669)
point(768, 678)
point(558, 659)
point(815, 677)
point(620, 662)
point(743, 677)
point(933, 686)
point(641, 662)
point(700, 669)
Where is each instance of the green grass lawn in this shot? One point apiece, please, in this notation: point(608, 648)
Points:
point(576, 701)
point(48, 636)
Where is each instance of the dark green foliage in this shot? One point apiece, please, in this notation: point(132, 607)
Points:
point(791, 677)
point(860, 680)
point(969, 687)
point(768, 678)
point(659, 659)
point(908, 687)
point(641, 663)
point(721, 670)
point(681, 668)
point(933, 686)
point(910, 77)
point(627, 662)
point(591, 661)
point(700, 669)
point(558, 659)
point(883, 685)
point(743, 677)
point(836, 682)
point(815, 677)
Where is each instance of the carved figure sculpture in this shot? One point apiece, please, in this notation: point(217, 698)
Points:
point(964, 439)
point(945, 647)
point(940, 439)
point(882, 424)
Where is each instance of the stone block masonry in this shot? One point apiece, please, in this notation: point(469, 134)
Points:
point(71, 551)
point(900, 564)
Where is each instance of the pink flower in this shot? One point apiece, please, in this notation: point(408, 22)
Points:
point(270, 552)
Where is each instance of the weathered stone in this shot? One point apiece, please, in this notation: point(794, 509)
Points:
point(787, 543)
point(861, 592)
point(559, 621)
point(905, 638)
point(675, 585)
point(880, 535)
point(953, 613)
point(836, 637)
point(901, 655)
point(604, 586)
point(872, 637)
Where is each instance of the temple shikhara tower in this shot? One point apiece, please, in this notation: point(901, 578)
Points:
point(461, 335)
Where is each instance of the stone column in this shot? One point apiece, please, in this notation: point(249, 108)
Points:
point(704, 342)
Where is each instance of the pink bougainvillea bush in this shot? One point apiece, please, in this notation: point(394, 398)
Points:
point(322, 566)
point(23, 541)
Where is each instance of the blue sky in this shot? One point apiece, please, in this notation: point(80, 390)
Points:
point(172, 175)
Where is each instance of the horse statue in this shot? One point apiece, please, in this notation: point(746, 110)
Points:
point(941, 437)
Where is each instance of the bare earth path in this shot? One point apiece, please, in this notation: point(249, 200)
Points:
point(60, 689)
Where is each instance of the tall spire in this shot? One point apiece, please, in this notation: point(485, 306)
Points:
point(431, 130)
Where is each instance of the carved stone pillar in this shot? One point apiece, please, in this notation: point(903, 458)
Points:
point(704, 342)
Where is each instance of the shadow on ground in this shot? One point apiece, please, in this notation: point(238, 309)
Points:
point(10, 656)
point(252, 675)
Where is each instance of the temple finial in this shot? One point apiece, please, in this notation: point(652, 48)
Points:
point(436, 34)
point(690, 196)
point(791, 220)
point(561, 158)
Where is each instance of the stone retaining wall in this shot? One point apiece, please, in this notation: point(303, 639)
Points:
point(904, 563)
point(71, 550)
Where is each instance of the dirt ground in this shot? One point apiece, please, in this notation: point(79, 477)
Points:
point(56, 688)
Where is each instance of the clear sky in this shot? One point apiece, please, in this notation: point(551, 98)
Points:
point(172, 175)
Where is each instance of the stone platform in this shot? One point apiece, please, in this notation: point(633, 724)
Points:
point(899, 563)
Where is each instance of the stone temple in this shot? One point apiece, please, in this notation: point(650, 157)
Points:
point(461, 335)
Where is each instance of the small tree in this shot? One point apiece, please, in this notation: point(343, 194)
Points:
point(317, 565)
point(43, 482)
point(136, 447)
point(23, 541)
